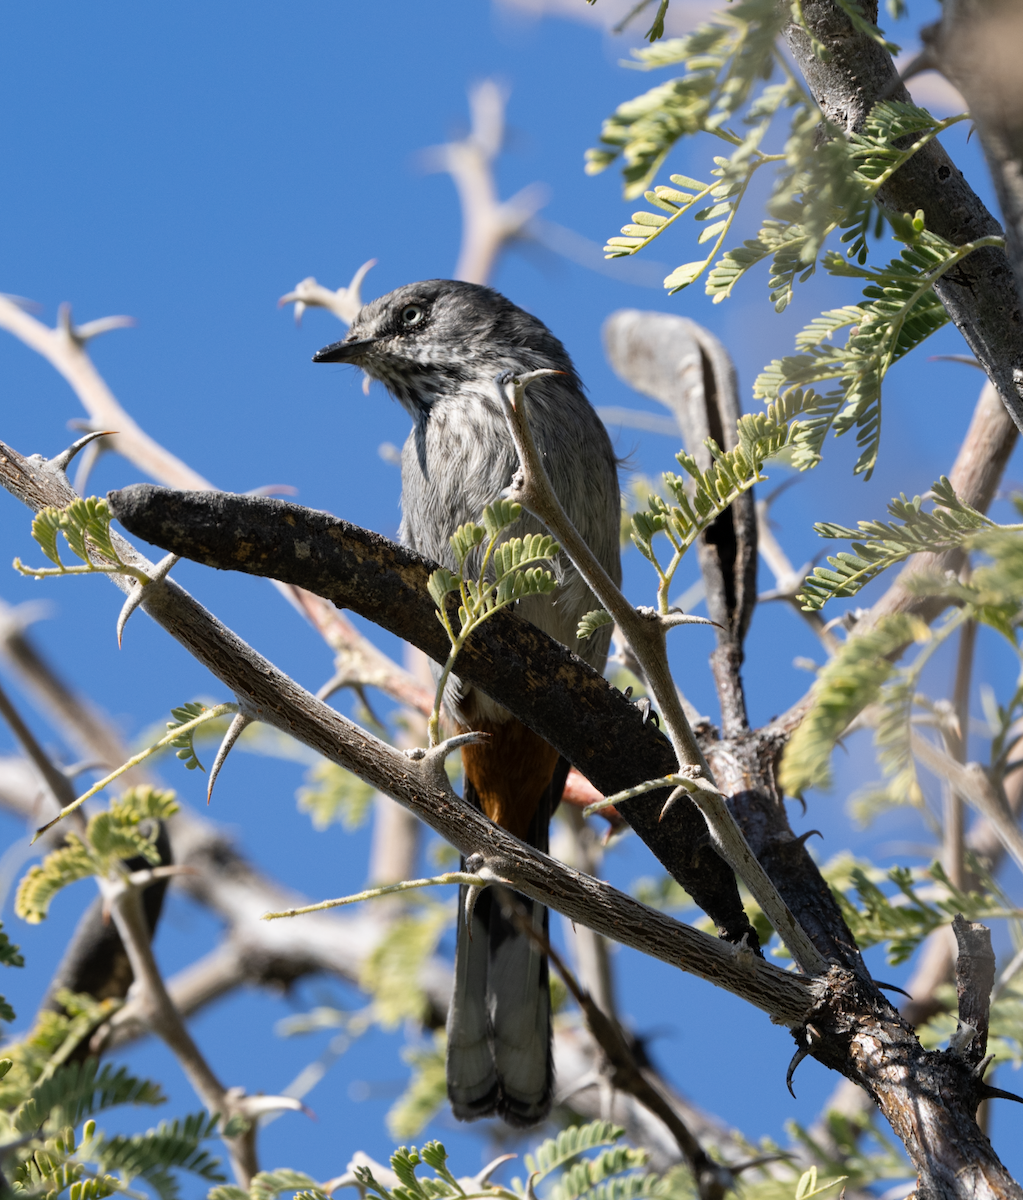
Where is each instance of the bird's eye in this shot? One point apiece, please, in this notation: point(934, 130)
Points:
point(412, 314)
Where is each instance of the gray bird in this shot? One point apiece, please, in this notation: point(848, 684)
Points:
point(437, 346)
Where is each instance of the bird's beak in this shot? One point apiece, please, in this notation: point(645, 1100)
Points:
point(344, 351)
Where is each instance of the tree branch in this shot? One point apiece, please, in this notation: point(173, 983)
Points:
point(980, 295)
point(421, 784)
point(547, 687)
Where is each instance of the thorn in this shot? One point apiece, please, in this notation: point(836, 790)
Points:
point(987, 1092)
point(891, 987)
point(530, 1192)
point(273, 489)
point(982, 1066)
point(81, 334)
point(134, 597)
point(472, 894)
point(63, 460)
point(483, 1178)
point(809, 834)
point(234, 732)
point(797, 1058)
point(966, 359)
point(669, 802)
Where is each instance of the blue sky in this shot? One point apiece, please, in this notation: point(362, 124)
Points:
point(187, 165)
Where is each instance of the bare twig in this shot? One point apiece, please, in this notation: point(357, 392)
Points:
point(422, 786)
point(160, 1015)
point(972, 783)
point(488, 224)
point(645, 632)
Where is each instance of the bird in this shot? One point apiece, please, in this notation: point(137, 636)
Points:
point(438, 346)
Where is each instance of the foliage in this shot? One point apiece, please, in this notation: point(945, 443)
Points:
point(1005, 1033)
point(391, 973)
point(845, 686)
point(504, 571)
point(127, 829)
point(584, 1162)
point(426, 1092)
point(85, 524)
point(922, 901)
point(827, 183)
point(46, 1096)
point(878, 545)
point(267, 1185)
point(184, 744)
point(334, 795)
point(701, 496)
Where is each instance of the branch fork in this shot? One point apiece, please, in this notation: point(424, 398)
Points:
point(645, 632)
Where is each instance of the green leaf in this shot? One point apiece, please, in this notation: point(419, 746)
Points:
point(596, 619)
point(465, 539)
point(63, 866)
point(184, 745)
point(45, 527)
point(949, 525)
point(557, 1152)
point(267, 1185)
point(441, 584)
point(846, 685)
point(426, 1093)
point(392, 972)
point(334, 795)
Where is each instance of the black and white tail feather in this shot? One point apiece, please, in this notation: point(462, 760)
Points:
point(500, 1059)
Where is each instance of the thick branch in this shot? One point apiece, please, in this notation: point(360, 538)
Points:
point(686, 368)
point(976, 46)
point(548, 688)
point(980, 294)
point(270, 696)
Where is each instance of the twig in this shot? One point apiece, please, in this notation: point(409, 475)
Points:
point(956, 744)
point(65, 348)
point(488, 224)
point(645, 632)
point(422, 786)
point(387, 889)
point(972, 783)
point(122, 899)
point(713, 1179)
point(58, 783)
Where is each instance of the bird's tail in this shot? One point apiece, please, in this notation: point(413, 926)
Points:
point(499, 1024)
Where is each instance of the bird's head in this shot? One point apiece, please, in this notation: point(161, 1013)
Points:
point(435, 338)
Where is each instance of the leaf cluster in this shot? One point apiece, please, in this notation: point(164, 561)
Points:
point(878, 545)
point(85, 525)
point(128, 828)
point(902, 918)
point(826, 183)
point(392, 973)
point(494, 571)
point(505, 572)
point(268, 1185)
point(900, 311)
point(697, 499)
point(46, 1097)
point(333, 795)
